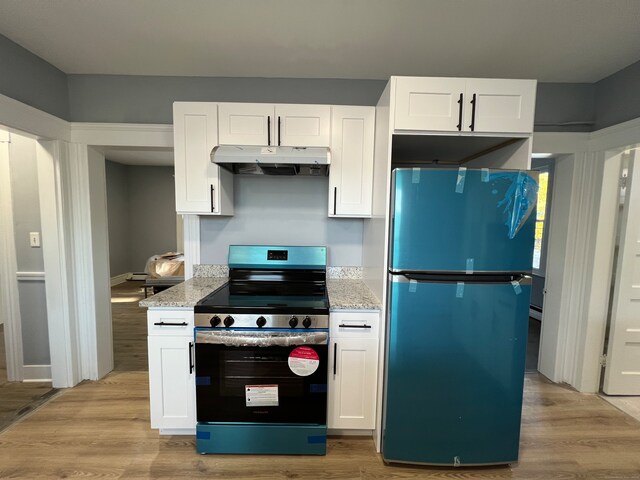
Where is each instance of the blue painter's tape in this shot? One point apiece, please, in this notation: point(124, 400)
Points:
point(469, 269)
point(203, 435)
point(460, 290)
point(203, 380)
point(317, 439)
point(318, 388)
point(462, 173)
point(516, 287)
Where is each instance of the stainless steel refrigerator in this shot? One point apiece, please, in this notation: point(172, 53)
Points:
point(461, 251)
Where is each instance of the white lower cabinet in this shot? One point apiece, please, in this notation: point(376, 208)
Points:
point(353, 370)
point(172, 380)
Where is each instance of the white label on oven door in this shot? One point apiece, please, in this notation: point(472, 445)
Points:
point(261, 395)
point(303, 361)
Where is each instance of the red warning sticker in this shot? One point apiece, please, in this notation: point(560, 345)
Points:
point(303, 361)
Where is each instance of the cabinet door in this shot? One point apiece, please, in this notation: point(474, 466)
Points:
point(246, 124)
point(353, 364)
point(171, 382)
point(429, 104)
point(195, 134)
point(501, 106)
point(303, 125)
point(351, 171)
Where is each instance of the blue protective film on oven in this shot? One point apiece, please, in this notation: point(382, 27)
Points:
point(317, 439)
point(318, 388)
point(203, 380)
point(203, 435)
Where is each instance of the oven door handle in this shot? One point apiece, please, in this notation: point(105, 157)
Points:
point(261, 338)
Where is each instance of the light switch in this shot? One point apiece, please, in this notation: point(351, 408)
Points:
point(34, 239)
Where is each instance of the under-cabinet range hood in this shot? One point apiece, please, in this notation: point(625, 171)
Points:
point(305, 161)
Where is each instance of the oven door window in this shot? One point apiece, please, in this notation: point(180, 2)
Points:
point(223, 374)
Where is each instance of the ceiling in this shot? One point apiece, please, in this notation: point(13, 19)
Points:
point(548, 40)
point(139, 156)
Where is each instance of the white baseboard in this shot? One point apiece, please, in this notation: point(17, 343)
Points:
point(118, 279)
point(36, 373)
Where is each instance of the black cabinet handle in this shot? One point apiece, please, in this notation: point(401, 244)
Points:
point(212, 192)
point(190, 358)
point(335, 199)
point(335, 356)
point(269, 130)
point(460, 113)
point(278, 130)
point(170, 324)
point(473, 113)
point(354, 326)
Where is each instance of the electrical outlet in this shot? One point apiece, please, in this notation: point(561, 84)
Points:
point(34, 239)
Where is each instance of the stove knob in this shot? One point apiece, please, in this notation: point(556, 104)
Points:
point(215, 321)
point(306, 323)
point(228, 321)
point(261, 322)
point(293, 322)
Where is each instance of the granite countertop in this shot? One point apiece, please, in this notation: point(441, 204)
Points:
point(185, 294)
point(351, 294)
point(345, 292)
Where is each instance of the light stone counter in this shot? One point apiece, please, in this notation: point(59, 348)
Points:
point(185, 294)
point(351, 294)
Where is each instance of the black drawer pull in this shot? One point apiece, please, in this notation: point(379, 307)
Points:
point(335, 358)
point(353, 326)
point(169, 324)
point(190, 358)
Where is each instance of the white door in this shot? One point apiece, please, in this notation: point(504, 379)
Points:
point(352, 388)
point(351, 172)
point(171, 382)
point(246, 124)
point(622, 373)
point(195, 134)
point(429, 104)
point(497, 106)
point(303, 125)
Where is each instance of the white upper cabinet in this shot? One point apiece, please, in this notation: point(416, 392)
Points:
point(429, 103)
point(464, 105)
point(303, 125)
point(500, 105)
point(351, 172)
point(267, 124)
point(245, 123)
point(201, 186)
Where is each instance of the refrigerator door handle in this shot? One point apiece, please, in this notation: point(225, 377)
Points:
point(408, 277)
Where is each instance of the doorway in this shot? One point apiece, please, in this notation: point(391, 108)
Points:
point(25, 361)
point(544, 167)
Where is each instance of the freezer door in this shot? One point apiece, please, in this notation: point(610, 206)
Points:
point(455, 370)
point(454, 220)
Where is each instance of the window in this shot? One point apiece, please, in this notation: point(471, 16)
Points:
point(541, 212)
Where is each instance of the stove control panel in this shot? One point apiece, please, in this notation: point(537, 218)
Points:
point(228, 320)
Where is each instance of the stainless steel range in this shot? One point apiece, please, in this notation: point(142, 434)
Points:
point(262, 354)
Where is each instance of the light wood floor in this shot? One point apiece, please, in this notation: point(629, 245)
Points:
point(101, 429)
point(129, 327)
point(17, 398)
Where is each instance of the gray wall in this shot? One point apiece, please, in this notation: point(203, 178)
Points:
point(118, 218)
point(568, 107)
point(29, 79)
point(143, 99)
point(152, 206)
point(26, 218)
point(281, 211)
point(142, 219)
point(618, 97)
